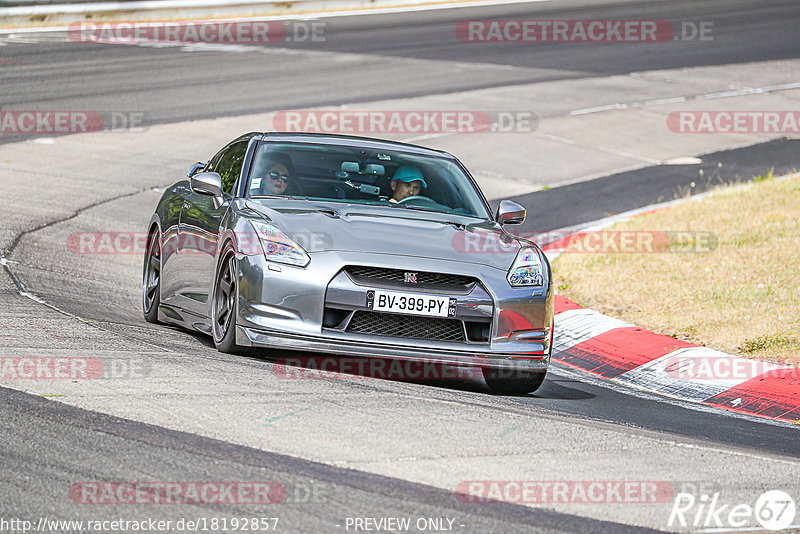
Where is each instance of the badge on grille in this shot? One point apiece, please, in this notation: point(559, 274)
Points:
point(410, 278)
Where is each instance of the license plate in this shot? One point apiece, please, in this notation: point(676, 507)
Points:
point(411, 303)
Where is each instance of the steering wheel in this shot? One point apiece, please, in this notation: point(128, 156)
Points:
point(424, 200)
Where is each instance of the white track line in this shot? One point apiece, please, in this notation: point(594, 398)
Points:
point(707, 96)
point(598, 148)
point(601, 224)
point(145, 5)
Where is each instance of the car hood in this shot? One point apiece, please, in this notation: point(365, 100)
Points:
point(378, 230)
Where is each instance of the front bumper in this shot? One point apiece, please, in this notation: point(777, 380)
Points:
point(372, 347)
point(282, 307)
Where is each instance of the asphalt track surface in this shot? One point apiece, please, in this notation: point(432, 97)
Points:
point(584, 202)
point(47, 445)
point(172, 85)
point(93, 444)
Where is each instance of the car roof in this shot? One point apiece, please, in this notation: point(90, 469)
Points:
point(352, 140)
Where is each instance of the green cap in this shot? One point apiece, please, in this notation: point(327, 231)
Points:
point(409, 173)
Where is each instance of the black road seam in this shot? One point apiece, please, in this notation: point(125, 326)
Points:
point(591, 200)
point(25, 292)
point(405, 491)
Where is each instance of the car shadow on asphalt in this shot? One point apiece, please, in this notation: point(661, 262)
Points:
point(294, 365)
point(557, 388)
point(314, 366)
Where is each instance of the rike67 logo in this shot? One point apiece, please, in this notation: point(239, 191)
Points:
point(773, 510)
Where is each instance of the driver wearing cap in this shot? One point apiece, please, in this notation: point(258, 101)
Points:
point(407, 182)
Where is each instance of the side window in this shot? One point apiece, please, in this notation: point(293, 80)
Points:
point(228, 164)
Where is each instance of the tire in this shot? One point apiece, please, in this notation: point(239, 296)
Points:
point(512, 381)
point(223, 304)
point(151, 277)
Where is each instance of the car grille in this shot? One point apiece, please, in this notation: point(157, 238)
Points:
point(407, 326)
point(379, 276)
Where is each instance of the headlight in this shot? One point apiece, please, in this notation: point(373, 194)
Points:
point(527, 269)
point(278, 247)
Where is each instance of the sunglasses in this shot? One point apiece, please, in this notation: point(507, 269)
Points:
point(275, 176)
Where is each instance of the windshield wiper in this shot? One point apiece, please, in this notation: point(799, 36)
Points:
point(291, 197)
point(419, 208)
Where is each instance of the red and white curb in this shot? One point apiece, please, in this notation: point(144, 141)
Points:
point(614, 350)
point(618, 351)
point(626, 354)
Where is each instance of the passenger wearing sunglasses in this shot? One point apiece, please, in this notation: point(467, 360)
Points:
point(277, 179)
point(278, 174)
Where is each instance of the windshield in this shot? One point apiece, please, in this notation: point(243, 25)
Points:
point(357, 175)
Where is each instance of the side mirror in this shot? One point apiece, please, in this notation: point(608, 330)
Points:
point(195, 168)
point(509, 212)
point(208, 183)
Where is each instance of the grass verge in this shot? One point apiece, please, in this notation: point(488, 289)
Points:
point(724, 271)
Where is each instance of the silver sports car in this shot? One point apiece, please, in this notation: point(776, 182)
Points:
point(350, 246)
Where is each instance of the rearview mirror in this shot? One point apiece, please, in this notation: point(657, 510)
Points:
point(374, 168)
point(509, 212)
point(208, 183)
